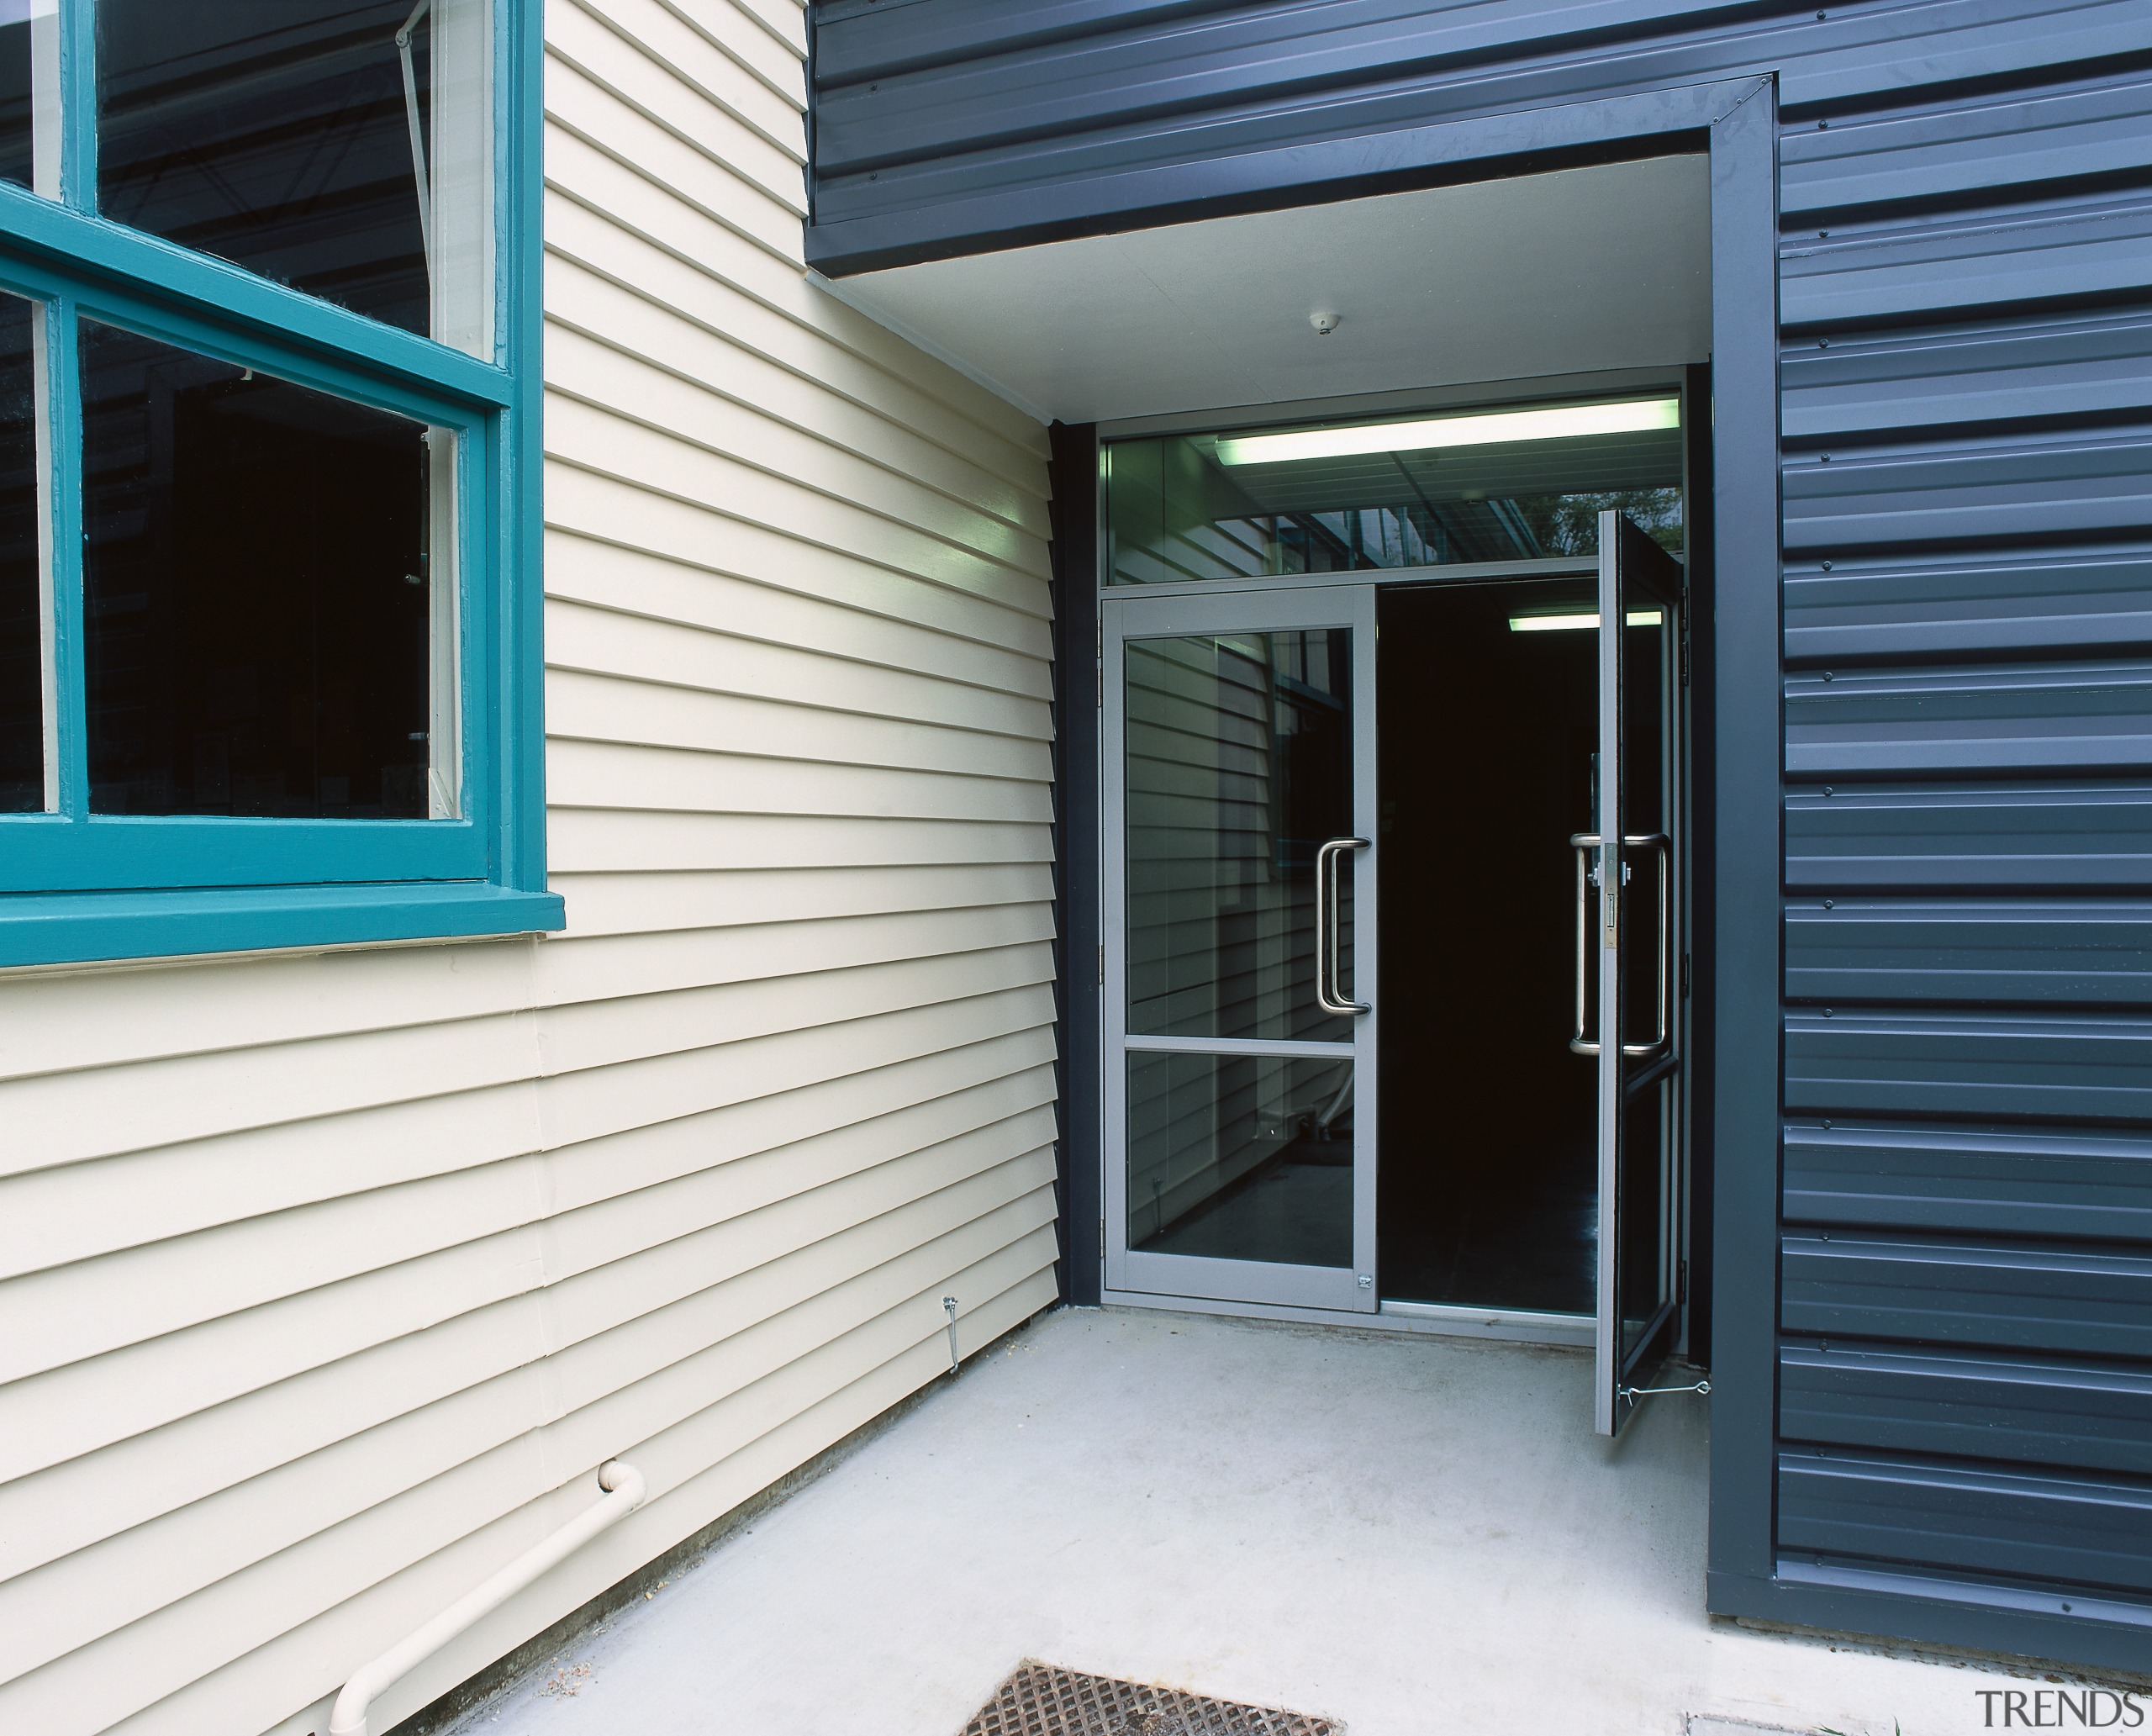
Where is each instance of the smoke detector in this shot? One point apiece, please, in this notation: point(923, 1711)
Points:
point(1324, 324)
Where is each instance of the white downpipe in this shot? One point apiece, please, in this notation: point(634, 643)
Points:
point(625, 1490)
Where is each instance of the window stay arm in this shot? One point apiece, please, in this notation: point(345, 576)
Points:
point(420, 179)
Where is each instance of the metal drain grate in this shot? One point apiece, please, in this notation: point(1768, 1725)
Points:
point(1041, 1700)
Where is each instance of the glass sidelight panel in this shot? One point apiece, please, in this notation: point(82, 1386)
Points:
point(1240, 1158)
point(1239, 769)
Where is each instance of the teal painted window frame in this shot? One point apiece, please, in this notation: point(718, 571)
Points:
point(77, 887)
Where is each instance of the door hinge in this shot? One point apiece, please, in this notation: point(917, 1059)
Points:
point(1685, 976)
point(1685, 656)
point(1681, 1282)
point(1102, 967)
point(1098, 658)
point(1102, 1235)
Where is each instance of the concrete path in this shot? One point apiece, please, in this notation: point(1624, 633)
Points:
point(1409, 1534)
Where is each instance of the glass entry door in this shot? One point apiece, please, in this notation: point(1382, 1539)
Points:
point(1629, 902)
point(1240, 959)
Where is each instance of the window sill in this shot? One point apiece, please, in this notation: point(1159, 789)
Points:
point(100, 927)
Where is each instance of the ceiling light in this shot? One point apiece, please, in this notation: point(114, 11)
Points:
point(1498, 428)
point(1573, 623)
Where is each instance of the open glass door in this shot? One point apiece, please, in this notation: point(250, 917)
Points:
point(1629, 902)
point(1239, 966)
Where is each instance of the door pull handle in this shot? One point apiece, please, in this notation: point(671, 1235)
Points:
point(1329, 993)
point(1584, 843)
point(1658, 843)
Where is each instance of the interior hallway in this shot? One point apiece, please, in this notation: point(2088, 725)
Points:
point(1407, 1533)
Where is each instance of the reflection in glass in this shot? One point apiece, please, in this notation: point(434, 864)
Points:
point(1240, 1158)
point(1639, 1273)
point(1239, 767)
point(256, 594)
point(1373, 495)
point(17, 134)
point(22, 610)
point(1642, 1268)
point(300, 138)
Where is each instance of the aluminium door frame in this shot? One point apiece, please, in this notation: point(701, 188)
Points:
point(1130, 613)
point(1736, 814)
point(1614, 903)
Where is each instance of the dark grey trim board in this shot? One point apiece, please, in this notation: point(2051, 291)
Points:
point(1745, 819)
point(1073, 476)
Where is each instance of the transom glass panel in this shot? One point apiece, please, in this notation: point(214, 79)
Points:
point(1510, 484)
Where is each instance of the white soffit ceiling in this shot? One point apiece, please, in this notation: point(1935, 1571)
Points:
point(1568, 272)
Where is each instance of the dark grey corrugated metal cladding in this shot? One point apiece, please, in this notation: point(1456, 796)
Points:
point(947, 126)
point(1965, 283)
point(1966, 1299)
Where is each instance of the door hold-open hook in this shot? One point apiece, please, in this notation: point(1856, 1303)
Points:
point(1633, 1393)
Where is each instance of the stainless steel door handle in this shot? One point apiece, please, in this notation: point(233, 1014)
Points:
point(1657, 842)
point(1584, 843)
point(1329, 994)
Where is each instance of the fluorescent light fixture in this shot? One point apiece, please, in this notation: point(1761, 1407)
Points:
point(1575, 623)
point(1497, 428)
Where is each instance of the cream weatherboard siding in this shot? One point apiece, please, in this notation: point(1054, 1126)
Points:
point(331, 1280)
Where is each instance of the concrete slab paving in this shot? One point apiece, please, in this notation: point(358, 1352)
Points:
point(1409, 1534)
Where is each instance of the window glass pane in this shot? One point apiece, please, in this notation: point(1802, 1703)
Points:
point(256, 597)
point(15, 130)
point(1503, 484)
point(280, 134)
point(22, 587)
